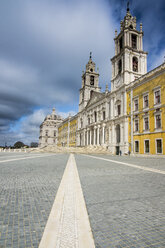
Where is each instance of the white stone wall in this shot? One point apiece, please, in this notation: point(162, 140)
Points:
point(49, 130)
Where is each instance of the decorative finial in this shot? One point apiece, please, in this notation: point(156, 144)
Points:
point(128, 6)
point(97, 69)
point(90, 55)
point(53, 112)
point(106, 89)
point(121, 25)
point(141, 27)
point(115, 33)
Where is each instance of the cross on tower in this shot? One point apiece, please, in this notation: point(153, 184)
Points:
point(127, 6)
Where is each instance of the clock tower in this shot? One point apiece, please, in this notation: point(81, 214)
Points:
point(90, 82)
point(130, 61)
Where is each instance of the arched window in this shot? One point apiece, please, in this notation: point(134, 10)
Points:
point(135, 64)
point(91, 93)
point(119, 66)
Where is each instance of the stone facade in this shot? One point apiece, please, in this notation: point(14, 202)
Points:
point(102, 118)
point(49, 129)
point(107, 118)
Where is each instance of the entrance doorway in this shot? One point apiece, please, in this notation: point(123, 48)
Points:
point(118, 133)
point(117, 150)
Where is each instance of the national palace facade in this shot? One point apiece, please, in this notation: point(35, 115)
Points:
point(128, 118)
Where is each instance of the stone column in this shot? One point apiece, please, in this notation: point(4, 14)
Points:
point(84, 137)
point(106, 110)
point(122, 104)
point(112, 108)
point(125, 102)
point(87, 136)
point(94, 136)
point(98, 135)
point(121, 133)
point(77, 140)
point(103, 134)
point(90, 136)
point(110, 138)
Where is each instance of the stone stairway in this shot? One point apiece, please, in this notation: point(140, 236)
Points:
point(86, 150)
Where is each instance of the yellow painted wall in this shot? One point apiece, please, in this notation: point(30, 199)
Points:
point(63, 132)
point(152, 139)
point(152, 135)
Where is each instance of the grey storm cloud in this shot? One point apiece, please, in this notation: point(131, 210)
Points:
point(44, 46)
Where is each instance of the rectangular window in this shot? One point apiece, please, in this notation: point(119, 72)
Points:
point(158, 121)
point(54, 133)
point(119, 66)
point(81, 123)
point(146, 101)
point(136, 105)
point(134, 41)
point(95, 116)
point(88, 121)
point(121, 43)
point(157, 97)
point(46, 133)
point(159, 146)
point(92, 78)
point(118, 109)
point(136, 125)
point(146, 124)
point(103, 115)
point(147, 146)
point(136, 146)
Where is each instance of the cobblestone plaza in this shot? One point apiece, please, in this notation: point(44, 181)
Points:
point(124, 197)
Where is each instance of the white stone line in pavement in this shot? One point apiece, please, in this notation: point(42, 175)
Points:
point(16, 159)
point(68, 224)
point(13, 156)
point(130, 165)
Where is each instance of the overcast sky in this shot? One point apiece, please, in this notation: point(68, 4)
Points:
point(45, 45)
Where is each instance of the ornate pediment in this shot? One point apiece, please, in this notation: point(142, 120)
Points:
point(95, 97)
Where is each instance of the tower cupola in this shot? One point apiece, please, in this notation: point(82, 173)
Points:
point(130, 61)
point(90, 66)
point(128, 22)
point(90, 83)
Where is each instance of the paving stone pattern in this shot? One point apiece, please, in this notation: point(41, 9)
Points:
point(68, 237)
point(126, 206)
point(149, 162)
point(27, 192)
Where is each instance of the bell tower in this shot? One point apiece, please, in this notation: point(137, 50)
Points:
point(90, 82)
point(130, 61)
